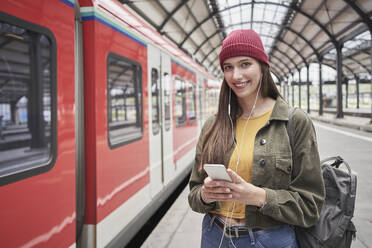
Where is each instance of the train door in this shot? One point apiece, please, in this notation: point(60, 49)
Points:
point(167, 134)
point(160, 120)
point(156, 163)
point(154, 89)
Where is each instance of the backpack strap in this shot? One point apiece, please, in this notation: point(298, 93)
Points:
point(350, 200)
point(353, 187)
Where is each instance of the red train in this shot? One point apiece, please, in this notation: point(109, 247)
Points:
point(99, 119)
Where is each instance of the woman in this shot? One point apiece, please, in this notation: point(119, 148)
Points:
point(267, 195)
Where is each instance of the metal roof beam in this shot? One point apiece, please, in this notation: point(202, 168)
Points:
point(212, 50)
point(325, 30)
point(294, 49)
point(214, 7)
point(206, 40)
point(364, 16)
point(284, 54)
point(334, 67)
point(289, 58)
point(328, 23)
point(170, 15)
point(360, 64)
point(271, 23)
point(287, 20)
point(176, 22)
point(334, 41)
point(350, 36)
point(290, 46)
point(285, 65)
point(145, 17)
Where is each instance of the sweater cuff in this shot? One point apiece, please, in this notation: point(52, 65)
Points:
point(271, 202)
point(207, 206)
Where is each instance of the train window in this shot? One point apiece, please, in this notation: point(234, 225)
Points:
point(180, 102)
point(191, 109)
point(27, 99)
point(124, 98)
point(167, 100)
point(155, 101)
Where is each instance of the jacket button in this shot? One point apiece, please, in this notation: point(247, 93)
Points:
point(289, 168)
point(262, 162)
point(262, 142)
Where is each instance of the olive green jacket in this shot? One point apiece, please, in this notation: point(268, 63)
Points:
point(295, 193)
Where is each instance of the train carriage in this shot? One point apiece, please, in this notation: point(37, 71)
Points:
point(102, 116)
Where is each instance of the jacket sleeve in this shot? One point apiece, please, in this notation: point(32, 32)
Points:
point(302, 202)
point(197, 179)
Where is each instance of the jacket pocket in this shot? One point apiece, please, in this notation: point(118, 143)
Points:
point(282, 173)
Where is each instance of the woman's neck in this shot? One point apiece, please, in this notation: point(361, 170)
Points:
point(262, 105)
point(249, 105)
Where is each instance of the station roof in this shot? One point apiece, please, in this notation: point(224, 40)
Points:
point(294, 32)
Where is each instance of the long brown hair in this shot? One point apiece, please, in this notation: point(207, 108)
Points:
point(218, 139)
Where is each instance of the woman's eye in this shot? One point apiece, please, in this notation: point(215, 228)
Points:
point(245, 64)
point(227, 67)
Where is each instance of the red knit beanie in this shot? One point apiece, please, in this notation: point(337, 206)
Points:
point(243, 42)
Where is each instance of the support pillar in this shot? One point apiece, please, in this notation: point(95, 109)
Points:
point(339, 113)
point(320, 89)
point(35, 111)
point(357, 81)
point(287, 87)
point(299, 88)
point(370, 95)
point(292, 92)
point(13, 112)
point(308, 87)
point(347, 92)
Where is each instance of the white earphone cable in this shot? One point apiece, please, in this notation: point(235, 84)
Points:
point(229, 217)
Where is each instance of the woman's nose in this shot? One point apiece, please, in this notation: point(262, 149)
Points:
point(237, 74)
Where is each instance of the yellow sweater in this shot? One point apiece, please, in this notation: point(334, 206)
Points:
point(245, 149)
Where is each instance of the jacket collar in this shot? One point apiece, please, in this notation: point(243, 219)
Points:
point(280, 111)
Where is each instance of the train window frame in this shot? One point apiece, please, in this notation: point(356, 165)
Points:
point(191, 94)
point(139, 108)
point(167, 101)
point(155, 81)
point(37, 167)
point(184, 103)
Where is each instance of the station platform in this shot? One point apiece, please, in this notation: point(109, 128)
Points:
point(359, 123)
point(181, 227)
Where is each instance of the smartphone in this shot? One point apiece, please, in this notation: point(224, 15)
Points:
point(217, 172)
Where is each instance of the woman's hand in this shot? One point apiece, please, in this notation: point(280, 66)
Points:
point(243, 192)
point(215, 190)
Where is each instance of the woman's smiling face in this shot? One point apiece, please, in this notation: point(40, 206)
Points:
point(243, 75)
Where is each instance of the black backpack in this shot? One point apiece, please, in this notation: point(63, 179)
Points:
point(334, 228)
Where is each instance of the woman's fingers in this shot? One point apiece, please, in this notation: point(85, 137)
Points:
point(215, 190)
point(209, 182)
point(219, 197)
point(234, 176)
point(239, 190)
point(216, 195)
